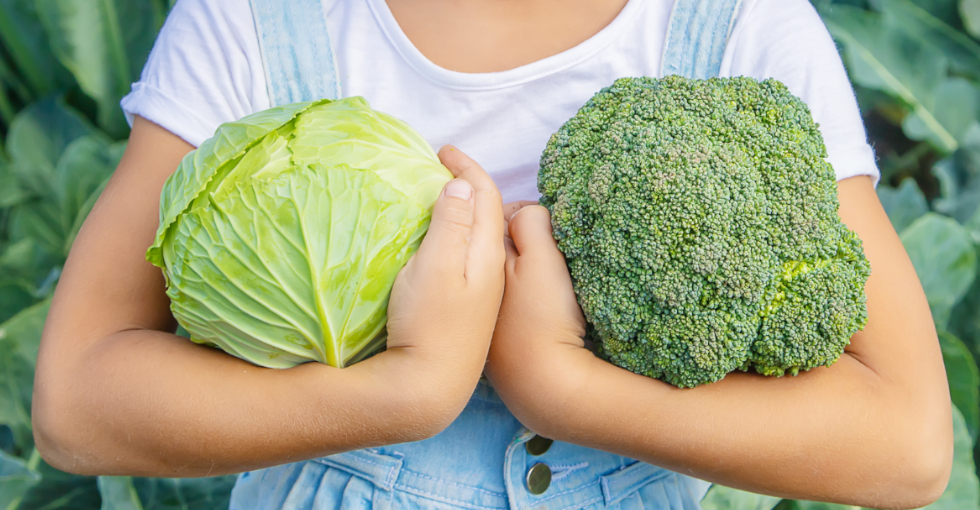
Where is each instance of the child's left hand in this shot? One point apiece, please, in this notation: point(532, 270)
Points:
point(874, 429)
point(537, 356)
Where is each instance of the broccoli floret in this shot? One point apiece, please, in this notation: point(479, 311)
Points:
point(699, 222)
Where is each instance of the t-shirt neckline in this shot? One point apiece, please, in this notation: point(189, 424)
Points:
point(500, 79)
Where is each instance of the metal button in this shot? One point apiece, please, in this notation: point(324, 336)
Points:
point(538, 478)
point(538, 445)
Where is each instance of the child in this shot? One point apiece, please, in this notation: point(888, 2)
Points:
point(118, 393)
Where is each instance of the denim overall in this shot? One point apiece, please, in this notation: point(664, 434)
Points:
point(483, 460)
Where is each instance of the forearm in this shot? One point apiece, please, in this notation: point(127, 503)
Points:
point(873, 429)
point(150, 403)
point(839, 433)
point(115, 394)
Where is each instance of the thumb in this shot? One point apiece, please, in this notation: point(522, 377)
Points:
point(530, 228)
point(446, 243)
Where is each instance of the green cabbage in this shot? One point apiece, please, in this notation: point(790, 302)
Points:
point(281, 236)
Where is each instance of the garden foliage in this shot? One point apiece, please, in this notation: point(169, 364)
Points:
point(915, 65)
point(64, 65)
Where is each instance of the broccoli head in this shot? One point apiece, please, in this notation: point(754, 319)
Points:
point(699, 222)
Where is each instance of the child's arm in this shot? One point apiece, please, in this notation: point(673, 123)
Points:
point(117, 393)
point(873, 429)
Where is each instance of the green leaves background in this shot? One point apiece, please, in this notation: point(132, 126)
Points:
point(915, 66)
point(65, 64)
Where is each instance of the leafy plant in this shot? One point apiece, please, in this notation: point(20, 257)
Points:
point(64, 66)
point(916, 68)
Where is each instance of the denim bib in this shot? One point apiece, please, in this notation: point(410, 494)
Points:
point(485, 460)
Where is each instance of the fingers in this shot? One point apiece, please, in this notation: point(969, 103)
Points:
point(536, 262)
point(446, 244)
point(485, 248)
point(530, 228)
point(511, 254)
point(510, 209)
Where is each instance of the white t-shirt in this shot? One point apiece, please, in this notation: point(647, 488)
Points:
point(206, 69)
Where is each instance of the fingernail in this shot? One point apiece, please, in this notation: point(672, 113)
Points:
point(459, 188)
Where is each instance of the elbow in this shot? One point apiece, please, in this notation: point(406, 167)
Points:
point(54, 428)
point(61, 432)
point(52, 449)
point(930, 493)
point(928, 480)
point(428, 413)
point(431, 428)
point(920, 486)
point(436, 417)
point(923, 467)
point(53, 438)
point(929, 448)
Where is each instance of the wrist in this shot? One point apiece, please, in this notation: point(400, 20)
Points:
point(543, 385)
point(418, 395)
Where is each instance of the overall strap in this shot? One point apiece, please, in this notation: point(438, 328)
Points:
point(696, 37)
point(296, 53)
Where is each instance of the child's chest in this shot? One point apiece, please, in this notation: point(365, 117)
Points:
point(503, 119)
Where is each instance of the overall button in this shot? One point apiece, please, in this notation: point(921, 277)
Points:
point(538, 478)
point(538, 445)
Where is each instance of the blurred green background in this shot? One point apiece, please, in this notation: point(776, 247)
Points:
point(65, 64)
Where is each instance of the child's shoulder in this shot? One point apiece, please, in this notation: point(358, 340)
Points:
point(787, 40)
point(776, 19)
point(216, 16)
point(202, 70)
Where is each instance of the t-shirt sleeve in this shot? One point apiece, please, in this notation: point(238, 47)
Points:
point(204, 70)
point(787, 40)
